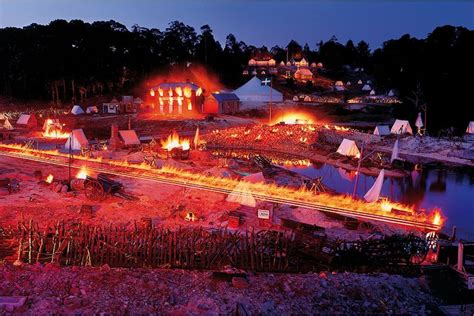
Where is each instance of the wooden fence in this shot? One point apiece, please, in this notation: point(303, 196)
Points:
point(193, 248)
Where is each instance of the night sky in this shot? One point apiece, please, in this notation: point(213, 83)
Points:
point(259, 22)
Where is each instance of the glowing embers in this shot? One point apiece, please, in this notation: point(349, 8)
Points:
point(53, 129)
point(83, 173)
point(49, 179)
point(294, 118)
point(176, 146)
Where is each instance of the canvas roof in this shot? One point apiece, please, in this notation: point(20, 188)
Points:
point(220, 97)
point(366, 87)
point(339, 83)
point(382, 130)
point(78, 138)
point(129, 137)
point(304, 71)
point(348, 148)
point(470, 128)
point(23, 119)
point(254, 91)
point(77, 110)
point(7, 125)
point(92, 109)
point(401, 127)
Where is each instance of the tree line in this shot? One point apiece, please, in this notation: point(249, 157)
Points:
point(67, 60)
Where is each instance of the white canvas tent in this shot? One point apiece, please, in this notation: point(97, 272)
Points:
point(242, 193)
point(394, 151)
point(372, 92)
point(129, 137)
point(391, 93)
point(76, 110)
point(348, 148)
point(366, 87)
point(470, 128)
point(295, 98)
point(401, 127)
point(348, 83)
point(92, 109)
point(382, 130)
point(374, 192)
point(23, 119)
point(419, 121)
point(253, 91)
point(76, 140)
point(196, 140)
point(7, 125)
point(359, 82)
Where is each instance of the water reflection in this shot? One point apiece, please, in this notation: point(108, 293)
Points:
point(450, 190)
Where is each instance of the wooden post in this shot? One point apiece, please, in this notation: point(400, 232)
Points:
point(460, 264)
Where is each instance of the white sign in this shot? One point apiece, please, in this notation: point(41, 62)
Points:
point(470, 283)
point(263, 214)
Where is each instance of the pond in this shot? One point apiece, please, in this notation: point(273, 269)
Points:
point(450, 190)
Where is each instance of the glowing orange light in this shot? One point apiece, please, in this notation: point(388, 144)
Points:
point(152, 92)
point(198, 92)
point(187, 91)
point(294, 118)
point(49, 178)
point(82, 174)
point(53, 129)
point(160, 92)
point(173, 141)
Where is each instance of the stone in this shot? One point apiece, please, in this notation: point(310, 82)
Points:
point(240, 283)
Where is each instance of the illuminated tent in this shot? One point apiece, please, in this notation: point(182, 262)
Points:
point(391, 93)
point(348, 148)
point(374, 192)
point(295, 98)
point(129, 137)
point(92, 109)
point(303, 74)
point(76, 110)
point(27, 120)
point(372, 92)
point(382, 130)
point(7, 125)
point(253, 91)
point(401, 127)
point(339, 83)
point(242, 193)
point(359, 82)
point(394, 155)
point(366, 87)
point(348, 83)
point(470, 128)
point(76, 140)
point(307, 98)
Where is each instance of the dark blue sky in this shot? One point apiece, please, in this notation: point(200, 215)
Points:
point(258, 22)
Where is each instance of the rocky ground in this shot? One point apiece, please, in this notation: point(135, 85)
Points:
point(50, 289)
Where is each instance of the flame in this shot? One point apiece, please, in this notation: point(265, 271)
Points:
point(437, 219)
point(326, 126)
point(247, 132)
point(303, 139)
point(179, 91)
point(234, 135)
point(170, 92)
point(190, 105)
point(173, 141)
point(414, 218)
point(274, 130)
point(259, 137)
point(340, 128)
point(152, 92)
point(190, 217)
point(289, 133)
point(49, 179)
point(82, 174)
point(187, 91)
point(198, 91)
point(54, 130)
point(294, 118)
point(160, 92)
point(385, 206)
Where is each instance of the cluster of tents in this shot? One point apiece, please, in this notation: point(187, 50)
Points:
point(78, 140)
point(77, 110)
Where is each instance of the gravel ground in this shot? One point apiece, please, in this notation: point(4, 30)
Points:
point(51, 289)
